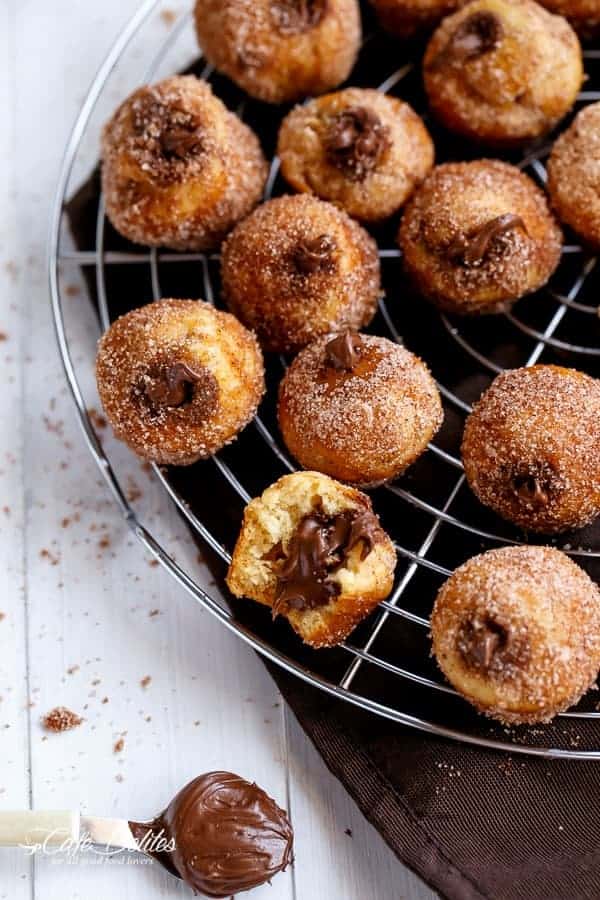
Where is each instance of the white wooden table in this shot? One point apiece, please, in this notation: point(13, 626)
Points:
point(75, 589)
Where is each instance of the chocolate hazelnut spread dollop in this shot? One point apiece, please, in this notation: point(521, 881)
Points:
point(166, 386)
point(320, 545)
point(491, 647)
point(315, 255)
point(343, 351)
point(297, 16)
point(227, 835)
point(355, 141)
point(472, 249)
point(476, 35)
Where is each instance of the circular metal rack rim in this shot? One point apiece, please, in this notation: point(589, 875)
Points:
point(97, 258)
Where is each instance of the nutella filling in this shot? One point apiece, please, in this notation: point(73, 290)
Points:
point(531, 488)
point(472, 250)
point(297, 16)
point(318, 547)
point(178, 385)
point(222, 835)
point(181, 142)
point(490, 647)
point(355, 141)
point(169, 132)
point(477, 35)
point(314, 255)
point(343, 351)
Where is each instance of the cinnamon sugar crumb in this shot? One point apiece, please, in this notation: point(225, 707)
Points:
point(52, 558)
point(168, 16)
point(96, 418)
point(119, 745)
point(146, 681)
point(61, 719)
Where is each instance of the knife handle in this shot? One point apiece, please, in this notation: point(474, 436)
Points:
point(28, 828)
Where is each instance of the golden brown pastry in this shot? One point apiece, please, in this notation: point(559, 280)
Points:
point(574, 175)
point(297, 268)
point(531, 448)
point(517, 632)
point(502, 71)
point(477, 236)
point(313, 550)
point(358, 148)
point(178, 380)
point(178, 169)
point(584, 15)
point(280, 50)
point(404, 18)
point(358, 407)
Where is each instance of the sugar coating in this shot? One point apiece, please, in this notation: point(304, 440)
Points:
point(186, 202)
point(456, 200)
point(272, 519)
point(548, 606)
point(584, 15)
point(166, 333)
point(574, 174)
point(405, 17)
point(541, 422)
point(403, 165)
point(365, 426)
point(241, 38)
point(285, 307)
point(514, 92)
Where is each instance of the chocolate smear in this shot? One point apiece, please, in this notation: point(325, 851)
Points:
point(315, 255)
point(531, 489)
point(477, 35)
point(490, 646)
point(471, 250)
point(319, 546)
point(297, 16)
point(172, 385)
point(180, 142)
point(343, 351)
point(221, 835)
point(355, 141)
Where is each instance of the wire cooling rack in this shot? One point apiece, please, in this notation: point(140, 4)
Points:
point(385, 666)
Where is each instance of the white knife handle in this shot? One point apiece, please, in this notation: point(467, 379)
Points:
point(27, 828)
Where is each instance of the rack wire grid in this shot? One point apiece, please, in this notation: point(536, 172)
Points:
point(385, 666)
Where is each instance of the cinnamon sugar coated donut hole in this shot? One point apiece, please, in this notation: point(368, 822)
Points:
point(359, 148)
point(574, 175)
point(502, 71)
point(314, 551)
point(406, 17)
point(297, 268)
point(584, 15)
point(358, 407)
point(531, 448)
point(517, 632)
point(178, 169)
point(178, 380)
point(280, 50)
point(477, 236)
